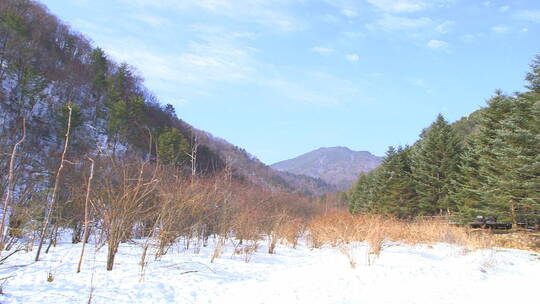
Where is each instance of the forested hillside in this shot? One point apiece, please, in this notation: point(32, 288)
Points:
point(485, 164)
point(48, 70)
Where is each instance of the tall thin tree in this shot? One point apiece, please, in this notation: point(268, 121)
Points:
point(56, 186)
point(86, 217)
point(9, 190)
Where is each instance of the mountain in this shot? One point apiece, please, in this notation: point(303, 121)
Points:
point(47, 69)
point(249, 167)
point(338, 166)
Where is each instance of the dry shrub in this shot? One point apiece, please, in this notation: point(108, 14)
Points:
point(349, 251)
point(247, 250)
point(518, 240)
point(247, 225)
point(340, 230)
point(274, 226)
point(183, 209)
point(336, 228)
point(291, 231)
point(218, 248)
point(376, 236)
point(429, 231)
point(122, 198)
point(343, 230)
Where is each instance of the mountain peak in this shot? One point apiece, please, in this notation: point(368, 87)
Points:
point(339, 166)
point(337, 148)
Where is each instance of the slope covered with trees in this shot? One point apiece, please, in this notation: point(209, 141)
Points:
point(47, 68)
point(484, 164)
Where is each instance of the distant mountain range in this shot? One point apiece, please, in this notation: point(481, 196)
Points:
point(338, 166)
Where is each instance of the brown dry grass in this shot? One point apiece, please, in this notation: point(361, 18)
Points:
point(342, 229)
point(518, 240)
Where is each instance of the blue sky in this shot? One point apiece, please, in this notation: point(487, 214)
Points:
point(283, 77)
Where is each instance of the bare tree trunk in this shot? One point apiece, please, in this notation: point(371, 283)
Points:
point(86, 201)
point(7, 199)
point(54, 233)
point(55, 189)
point(110, 256)
point(193, 156)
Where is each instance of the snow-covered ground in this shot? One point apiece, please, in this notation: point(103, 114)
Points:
point(402, 274)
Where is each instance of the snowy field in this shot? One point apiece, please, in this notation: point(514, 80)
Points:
point(401, 274)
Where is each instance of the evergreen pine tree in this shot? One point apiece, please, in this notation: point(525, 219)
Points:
point(533, 77)
point(489, 155)
point(397, 194)
point(517, 155)
point(467, 190)
point(173, 148)
point(363, 194)
point(436, 162)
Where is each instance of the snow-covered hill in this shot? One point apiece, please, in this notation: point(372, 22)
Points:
point(401, 274)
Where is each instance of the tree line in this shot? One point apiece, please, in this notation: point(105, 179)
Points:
point(486, 164)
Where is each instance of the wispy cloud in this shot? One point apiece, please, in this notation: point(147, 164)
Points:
point(399, 6)
point(418, 82)
point(152, 20)
point(200, 64)
point(309, 87)
point(499, 29)
point(349, 12)
point(408, 6)
point(352, 57)
point(272, 14)
point(397, 23)
point(322, 50)
point(444, 27)
point(529, 15)
point(348, 8)
point(504, 8)
point(437, 44)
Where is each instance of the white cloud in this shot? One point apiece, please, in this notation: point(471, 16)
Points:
point(499, 29)
point(437, 44)
point(468, 38)
point(419, 82)
point(473, 37)
point(486, 3)
point(352, 35)
point(353, 57)
point(322, 50)
point(529, 15)
point(392, 23)
point(399, 6)
point(504, 8)
point(408, 6)
point(152, 20)
point(273, 14)
point(444, 27)
point(312, 87)
point(349, 12)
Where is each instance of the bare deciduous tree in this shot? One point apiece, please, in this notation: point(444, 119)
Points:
point(56, 185)
point(122, 200)
point(9, 190)
point(86, 217)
